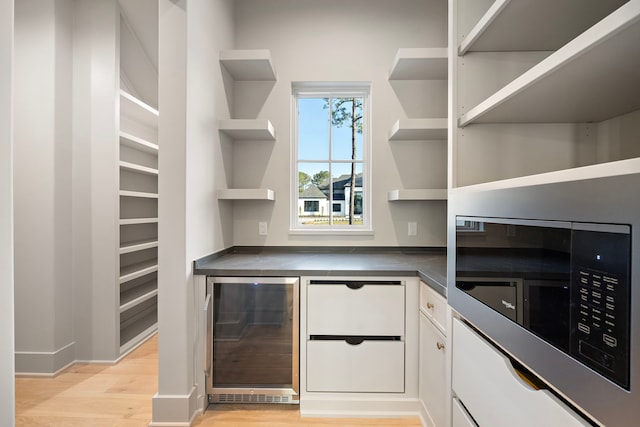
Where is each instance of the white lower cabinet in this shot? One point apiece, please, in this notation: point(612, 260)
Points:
point(432, 368)
point(494, 394)
point(368, 366)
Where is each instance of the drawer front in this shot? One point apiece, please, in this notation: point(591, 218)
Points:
point(369, 310)
point(495, 395)
point(433, 305)
point(369, 367)
point(460, 416)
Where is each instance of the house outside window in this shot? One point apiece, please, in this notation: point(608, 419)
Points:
point(331, 147)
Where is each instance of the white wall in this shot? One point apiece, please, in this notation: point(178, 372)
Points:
point(42, 185)
point(191, 97)
point(334, 40)
point(7, 391)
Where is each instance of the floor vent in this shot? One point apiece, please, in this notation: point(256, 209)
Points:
point(248, 398)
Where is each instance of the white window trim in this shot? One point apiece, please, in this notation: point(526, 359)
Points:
point(333, 89)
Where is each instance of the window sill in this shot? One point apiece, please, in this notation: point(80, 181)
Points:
point(331, 232)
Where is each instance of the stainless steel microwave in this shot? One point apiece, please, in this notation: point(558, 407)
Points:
point(567, 283)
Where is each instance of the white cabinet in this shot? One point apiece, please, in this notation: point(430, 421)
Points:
point(138, 219)
point(532, 105)
point(494, 393)
point(416, 64)
point(355, 332)
point(433, 357)
point(247, 65)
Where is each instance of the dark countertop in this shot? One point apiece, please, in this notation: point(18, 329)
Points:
point(430, 264)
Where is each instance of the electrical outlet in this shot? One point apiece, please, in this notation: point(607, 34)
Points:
point(412, 229)
point(262, 228)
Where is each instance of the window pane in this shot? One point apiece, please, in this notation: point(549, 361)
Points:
point(313, 129)
point(313, 193)
point(342, 191)
point(346, 134)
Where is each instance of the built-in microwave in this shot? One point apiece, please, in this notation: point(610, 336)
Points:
point(568, 283)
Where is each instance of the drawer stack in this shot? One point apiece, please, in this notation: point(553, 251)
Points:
point(355, 336)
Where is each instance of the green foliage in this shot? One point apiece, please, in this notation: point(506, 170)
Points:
point(303, 180)
point(320, 177)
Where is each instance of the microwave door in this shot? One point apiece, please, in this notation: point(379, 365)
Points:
point(502, 295)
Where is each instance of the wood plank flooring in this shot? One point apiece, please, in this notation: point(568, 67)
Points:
point(91, 395)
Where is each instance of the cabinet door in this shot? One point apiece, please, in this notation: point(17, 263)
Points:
point(433, 305)
point(433, 354)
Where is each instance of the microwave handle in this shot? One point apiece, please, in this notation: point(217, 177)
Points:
point(206, 328)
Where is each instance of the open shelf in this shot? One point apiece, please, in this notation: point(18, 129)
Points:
point(139, 245)
point(136, 143)
point(132, 221)
point(419, 64)
point(138, 295)
point(418, 129)
point(246, 194)
point(140, 269)
point(138, 326)
point(248, 129)
point(601, 170)
point(138, 168)
point(542, 25)
point(137, 110)
point(125, 193)
point(592, 78)
point(417, 194)
point(248, 64)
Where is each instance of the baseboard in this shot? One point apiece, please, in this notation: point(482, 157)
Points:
point(358, 406)
point(175, 410)
point(44, 363)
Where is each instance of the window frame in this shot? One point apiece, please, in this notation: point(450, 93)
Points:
point(332, 90)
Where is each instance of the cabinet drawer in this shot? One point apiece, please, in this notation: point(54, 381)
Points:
point(460, 418)
point(484, 379)
point(434, 306)
point(372, 309)
point(371, 366)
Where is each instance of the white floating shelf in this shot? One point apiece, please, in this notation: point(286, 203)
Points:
point(248, 64)
point(135, 333)
point(543, 25)
point(419, 64)
point(601, 170)
point(125, 193)
point(246, 194)
point(248, 129)
point(134, 221)
point(134, 271)
point(136, 246)
point(417, 194)
point(138, 168)
point(418, 129)
point(137, 110)
point(136, 143)
point(592, 78)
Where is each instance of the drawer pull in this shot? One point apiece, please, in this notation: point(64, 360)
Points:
point(354, 285)
point(430, 305)
point(440, 345)
point(354, 340)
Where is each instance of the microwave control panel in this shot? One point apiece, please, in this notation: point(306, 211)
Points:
point(600, 295)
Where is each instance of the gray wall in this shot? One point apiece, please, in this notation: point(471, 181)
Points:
point(7, 403)
point(338, 41)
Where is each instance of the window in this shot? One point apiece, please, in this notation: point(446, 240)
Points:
point(331, 164)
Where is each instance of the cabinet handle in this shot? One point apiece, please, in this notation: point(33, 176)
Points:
point(430, 306)
point(354, 285)
point(439, 345)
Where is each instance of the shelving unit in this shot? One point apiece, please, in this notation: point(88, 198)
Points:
point(583, 95)
point(247, 65)
point(248, 129)
point(419, 64)
point(138, 220)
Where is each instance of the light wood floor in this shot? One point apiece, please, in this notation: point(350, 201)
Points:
point(120, 396)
